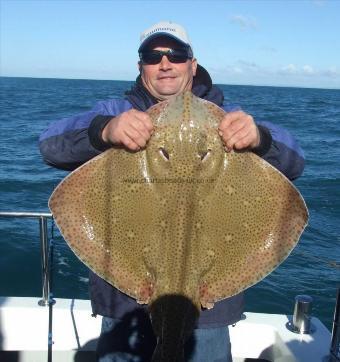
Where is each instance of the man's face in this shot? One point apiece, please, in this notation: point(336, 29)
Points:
point(166, 79)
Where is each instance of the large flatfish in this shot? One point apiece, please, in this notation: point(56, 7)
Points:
point(180, 224)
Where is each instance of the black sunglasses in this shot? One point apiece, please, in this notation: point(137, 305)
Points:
point(173, 55)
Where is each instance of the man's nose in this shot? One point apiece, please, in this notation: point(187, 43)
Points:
point(165, 63)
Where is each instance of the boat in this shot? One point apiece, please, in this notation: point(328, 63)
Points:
point(34, 329)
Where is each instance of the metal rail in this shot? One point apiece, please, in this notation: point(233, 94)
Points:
point(335, 342)
point(44, 250)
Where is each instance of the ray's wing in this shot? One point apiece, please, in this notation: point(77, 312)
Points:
point(105, 211)
point(252, 219)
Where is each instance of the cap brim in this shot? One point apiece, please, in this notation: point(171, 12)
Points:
point(158, 35)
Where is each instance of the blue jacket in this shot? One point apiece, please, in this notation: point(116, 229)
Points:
point(70, 142)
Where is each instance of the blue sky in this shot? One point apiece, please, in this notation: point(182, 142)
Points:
point(269, 42)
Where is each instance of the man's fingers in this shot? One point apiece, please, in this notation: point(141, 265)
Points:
point(138, 127)
point(130, 143)
point(132, 129)
point(142, 128)
point(232, 130)
point(243, 143)
point(237, 137)
point(144, 119)
point(230, 118)
point(136, 136)
point(238, 130)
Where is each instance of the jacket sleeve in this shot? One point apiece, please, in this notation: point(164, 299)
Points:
point(284, 152)
point(66, 144)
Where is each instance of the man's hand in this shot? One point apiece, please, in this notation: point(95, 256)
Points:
point(131, 129)
point(239, 131)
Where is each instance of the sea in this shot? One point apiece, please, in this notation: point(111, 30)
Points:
point(29, 105)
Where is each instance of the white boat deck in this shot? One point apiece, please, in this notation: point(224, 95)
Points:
point(24, 331)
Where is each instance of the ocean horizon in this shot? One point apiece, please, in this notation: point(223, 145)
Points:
point(132, 81)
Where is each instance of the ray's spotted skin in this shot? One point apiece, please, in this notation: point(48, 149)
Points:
point(182, 218)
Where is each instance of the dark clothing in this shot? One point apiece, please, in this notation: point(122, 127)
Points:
point(132, 339)
point(70, 142)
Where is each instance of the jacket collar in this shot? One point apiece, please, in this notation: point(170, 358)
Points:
point(202, 87)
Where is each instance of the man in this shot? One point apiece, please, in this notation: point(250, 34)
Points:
point(167, 67)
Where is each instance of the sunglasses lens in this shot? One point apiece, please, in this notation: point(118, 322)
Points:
point(155, 56)
point(178, 57)
point(151, 57)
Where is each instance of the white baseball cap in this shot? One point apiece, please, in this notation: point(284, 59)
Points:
point(165, 28)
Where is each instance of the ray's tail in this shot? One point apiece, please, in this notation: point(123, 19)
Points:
point(173, 319)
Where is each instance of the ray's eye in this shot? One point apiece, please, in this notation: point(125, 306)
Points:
point(164, 153)
point(205, 154)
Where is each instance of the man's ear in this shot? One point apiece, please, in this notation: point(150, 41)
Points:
point(139, 65)
point(194, 66)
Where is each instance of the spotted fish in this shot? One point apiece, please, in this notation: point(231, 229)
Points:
point(181, 224)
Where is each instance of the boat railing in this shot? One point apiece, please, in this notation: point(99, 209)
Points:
point(45, 250)
point(335, 341)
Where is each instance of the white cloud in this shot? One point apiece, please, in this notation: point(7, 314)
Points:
point(307, 69)
point(288, 69)
point(236, 70)
point(249, 72)
point(244, 22)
